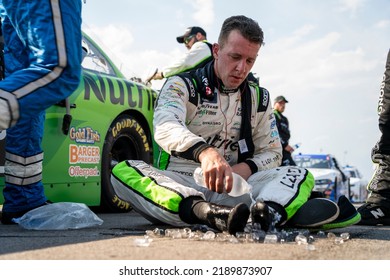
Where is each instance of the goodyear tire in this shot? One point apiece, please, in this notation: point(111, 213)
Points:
point(126, 139)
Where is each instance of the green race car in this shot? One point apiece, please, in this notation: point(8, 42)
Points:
point(106, 120)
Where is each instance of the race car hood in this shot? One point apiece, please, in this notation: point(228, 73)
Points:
point(320, 173)
point(357, 181)
point(354, 180)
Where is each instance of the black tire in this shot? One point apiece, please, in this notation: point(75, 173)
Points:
point(335, 190)
point(126, 139)
point(349, 189)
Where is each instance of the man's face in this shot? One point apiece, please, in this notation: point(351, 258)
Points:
point(189, 41)
point(280, 106)
point(235, 59)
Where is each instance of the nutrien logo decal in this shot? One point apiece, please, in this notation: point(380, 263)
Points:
point(118, 92)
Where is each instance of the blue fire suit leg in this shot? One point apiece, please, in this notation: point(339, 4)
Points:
point(42, 56)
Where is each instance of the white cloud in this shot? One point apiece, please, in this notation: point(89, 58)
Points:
point(303, 31)
point(118, 41)
point(140, 64)
point(298, 61)
point(180, 15)
point(310, 64)
point(351, 6)
point(383, 24)
point(117, 37)
point(115, 40)
point(204, 12)
point(330, 88)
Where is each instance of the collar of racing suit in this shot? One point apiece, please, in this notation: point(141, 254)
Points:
point(206, 81)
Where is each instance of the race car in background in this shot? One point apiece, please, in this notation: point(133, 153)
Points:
point(330, 180)
point(106, 120)
point(358, 184)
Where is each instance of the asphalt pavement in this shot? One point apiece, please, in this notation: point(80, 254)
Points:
point(122, 237)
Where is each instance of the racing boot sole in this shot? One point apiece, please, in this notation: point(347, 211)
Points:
point(314, 213)
point(348, 215)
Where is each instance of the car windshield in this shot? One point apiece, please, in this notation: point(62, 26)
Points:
point(94, 60)
point(311, 162)
point(352, 174)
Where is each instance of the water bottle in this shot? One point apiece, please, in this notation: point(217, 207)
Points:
point(296, 146)
point(240, 186)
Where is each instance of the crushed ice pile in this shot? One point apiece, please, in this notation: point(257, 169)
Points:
point(251, 234)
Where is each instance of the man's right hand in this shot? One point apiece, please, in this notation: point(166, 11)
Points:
point(216, 171)
point(158, 76)
point(288, 148)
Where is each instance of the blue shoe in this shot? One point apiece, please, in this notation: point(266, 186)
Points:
point(7, 217)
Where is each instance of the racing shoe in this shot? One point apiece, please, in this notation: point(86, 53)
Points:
point(225, 218)
point(7, 217)
point(268, 215)
point(314, 213)
point(261, 215)
point(381, 178)
point(195, 210)
point(372, 214)
point(348, 215)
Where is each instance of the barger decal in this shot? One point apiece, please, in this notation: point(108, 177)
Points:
point(84, 154)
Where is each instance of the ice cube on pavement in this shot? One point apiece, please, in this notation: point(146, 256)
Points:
point(209, 235)
point(301, 239)
point(270, 239)
point(143, 242)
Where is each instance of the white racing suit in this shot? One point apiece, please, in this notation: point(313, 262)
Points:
point(184, 125)
point(197, 56)
point(42, 67)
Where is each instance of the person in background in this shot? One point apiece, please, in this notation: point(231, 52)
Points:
point(198, 54)
point(376, 210)
point(42, 54)
point(284, 130)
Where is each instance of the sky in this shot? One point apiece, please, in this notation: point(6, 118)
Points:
point(326, 57)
